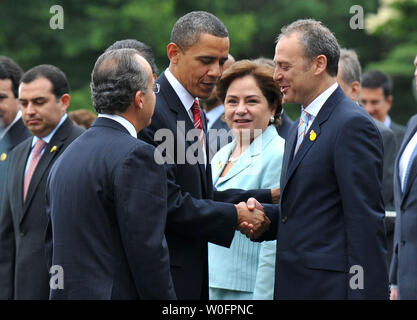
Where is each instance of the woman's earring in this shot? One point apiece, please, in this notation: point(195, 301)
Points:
point(272, 120)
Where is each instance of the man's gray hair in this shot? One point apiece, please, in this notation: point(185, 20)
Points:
point(351, 68)
point(116, 78)
point(187, 30)
point(317, 40)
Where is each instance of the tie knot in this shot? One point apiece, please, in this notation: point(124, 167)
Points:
point(39, 145)
point(196, 105)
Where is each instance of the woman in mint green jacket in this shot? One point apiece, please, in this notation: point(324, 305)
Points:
point(252, 160)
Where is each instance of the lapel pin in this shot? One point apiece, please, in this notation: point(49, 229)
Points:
point(313, 135)
point(3, 156)
point(219, 166)
point(53, 149)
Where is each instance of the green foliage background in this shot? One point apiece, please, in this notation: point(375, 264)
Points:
point(91, 26)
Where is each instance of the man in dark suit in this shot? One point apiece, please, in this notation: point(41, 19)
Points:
point(197, 52)
point(43, 94)
point(330, 234)
point(376, 97)
point(403, 273)
point(111, 243)
point(12, 129)
point(218, 133)
point(349, 79)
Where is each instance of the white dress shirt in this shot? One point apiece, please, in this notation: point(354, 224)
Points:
point(405, 158)
point(315, 106)
point(187, 101)
point(124, 122)
point(47, 139)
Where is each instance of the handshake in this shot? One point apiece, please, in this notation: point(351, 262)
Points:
point(252, 220)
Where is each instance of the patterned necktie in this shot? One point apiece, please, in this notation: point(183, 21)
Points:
point(198, 125)
point(410, 162)
point(36, 156)
point(302, 128)
point(197, 115)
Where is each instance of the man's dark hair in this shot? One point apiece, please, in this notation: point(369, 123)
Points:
point(187, 30)
point(375, 79)
point(317, 40)
point(143, 49)
point(60, 85)
point(11, 70)
point(116, 78)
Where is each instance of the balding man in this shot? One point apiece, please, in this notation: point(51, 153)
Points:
point(107, 195)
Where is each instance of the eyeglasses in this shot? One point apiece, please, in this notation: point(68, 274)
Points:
point(156, 87)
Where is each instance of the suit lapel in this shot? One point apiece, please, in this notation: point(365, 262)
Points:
point(413, 171)
point(175, 104)
point(20, 172)
point(307, 143)
point(51, 151)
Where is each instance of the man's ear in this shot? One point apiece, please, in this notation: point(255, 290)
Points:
point(138, 100)
point(389, 101)
point(65, 101)
point(356, 89)
point(320, 64)
point(173, 52)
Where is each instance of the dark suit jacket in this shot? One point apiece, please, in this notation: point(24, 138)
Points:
point(284, 127)
point(23, 271)
point(193, 217)
point(217, 138)
point(16, 134)
point(403, 270)
point(107, 205)
point(399, 131)
point(390, 152)
point(331, 206)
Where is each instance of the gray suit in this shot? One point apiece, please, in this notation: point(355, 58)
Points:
point(404, 261)
point(23, 270)
point(399, 131)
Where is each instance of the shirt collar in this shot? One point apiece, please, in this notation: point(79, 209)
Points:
point(214, 114)
point(18, 116)
point(315, 106)
point(186, 98)
point(124, 122)
point(387, 121)
point(48, 138)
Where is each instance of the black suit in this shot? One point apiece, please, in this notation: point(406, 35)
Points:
point(216, 138)
point(110, 243)
point(399, 131)
point(23, 271)
point(16, 134)
point(192, 221)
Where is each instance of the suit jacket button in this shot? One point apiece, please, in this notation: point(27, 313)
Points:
point(22, 234)
point(403, 243)
point(284, 219)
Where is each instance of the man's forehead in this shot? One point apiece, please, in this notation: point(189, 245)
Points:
point(39, 85)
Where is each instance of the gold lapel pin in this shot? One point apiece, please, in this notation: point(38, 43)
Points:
point(3, 156)
point(219, 166)
point(313, 135)
point(53, 149)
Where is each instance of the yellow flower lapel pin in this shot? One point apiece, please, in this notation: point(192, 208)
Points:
point(54, 148)
point(313, 135)
point(219, 166)
point(3, 156)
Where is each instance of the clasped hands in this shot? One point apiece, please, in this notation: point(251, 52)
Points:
point(252, 220)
